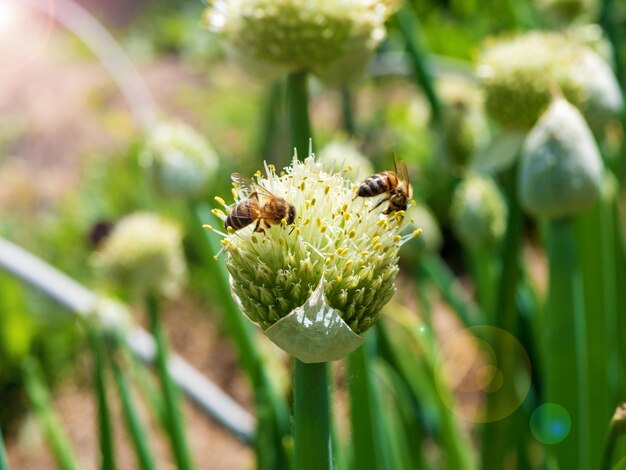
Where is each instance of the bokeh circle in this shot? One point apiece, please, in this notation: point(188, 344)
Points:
point(550, 423)
point(482, 374)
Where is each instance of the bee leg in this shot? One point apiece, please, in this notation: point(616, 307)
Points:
point(257, 227)
point(381, 201)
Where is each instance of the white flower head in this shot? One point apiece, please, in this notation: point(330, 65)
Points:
point(331, 38)
point(181, 161)
point(338, 243)
point(143, 254)
point(344, 156)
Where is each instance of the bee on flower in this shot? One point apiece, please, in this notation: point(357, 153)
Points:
point(316, 287)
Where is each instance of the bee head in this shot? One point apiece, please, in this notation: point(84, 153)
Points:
point(291, 216)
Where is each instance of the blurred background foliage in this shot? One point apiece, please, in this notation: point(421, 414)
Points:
point(246, 122)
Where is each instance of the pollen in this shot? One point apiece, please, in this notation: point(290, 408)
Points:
point(220, 201)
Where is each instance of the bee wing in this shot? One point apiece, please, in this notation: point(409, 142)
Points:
point(250, 186)
point(401, 169)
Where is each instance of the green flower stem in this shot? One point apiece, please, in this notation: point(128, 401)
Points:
point(271, 408)
point(369, 431)
point(480, 260)
point(3, 457)
point(269, 120)
point(609, 20)
point(175, 431)
point(613, 451)
point(311, 417)
point(347, 110)
point(402, 339)
point(566, 380)
point(298, 112)
point(496, 438)
point(411, 30)
point(136, 431)
point(105, 427)
point(595, 246)
point(53, 431)
point(441, 276)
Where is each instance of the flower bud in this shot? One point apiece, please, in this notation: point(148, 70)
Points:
point(519, 74)
point(561, 168)
point(316, 285)
point(143, 254)
point(563, 12)
point(464, 119)
point(333, 39)
point(343, 156)
point(430, 241)
point(181, 161)
point(478, 212)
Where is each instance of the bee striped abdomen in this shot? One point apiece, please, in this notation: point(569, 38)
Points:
point(243, 214)
point(378, 184)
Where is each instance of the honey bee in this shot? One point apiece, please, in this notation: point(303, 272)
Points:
point(273, 210)
point(394, 183)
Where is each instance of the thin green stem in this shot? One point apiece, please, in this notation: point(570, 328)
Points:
point(617, 432)
point(4, 465)
point(105, 427)
point(298, 112)
point(566, 374)
point(496, 435)
point(269, 119)
point(56, 438)
point(347, 110)
point(369, 448)
point(136, 431)
point(311, 417)
point(441, 276)
point(481, 263)
point(410, 26)
point(176, 432)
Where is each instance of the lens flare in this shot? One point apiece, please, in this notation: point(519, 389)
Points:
point(469, 366)
point(550, 423)
point(22, 36)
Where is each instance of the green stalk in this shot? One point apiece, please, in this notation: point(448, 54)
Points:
point(369, 432)
point(566, 379)
point(105, 427)
point(347, 110)
point(269, 120)
point(439, 273)
point(311, 417)
point(136, 431)
point(298, 112)
point(481, 264)
point(53, 431)
point(411, 30)
point(617, 432)
point(609, 20)
point(271, 408)
point(175, 432)
point(402, 340)
point(496, 439)
point(3, 457)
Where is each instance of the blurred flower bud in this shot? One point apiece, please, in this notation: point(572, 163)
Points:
point(430, 241)
point(343, 156)
point(316, 286)
point(181, 160)
point(478, 212)
point(561, 168)
point(465, 122)
point(564, 12)
point(143, 254)
point(518, 75)
point(333, 39)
